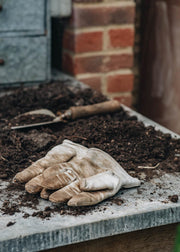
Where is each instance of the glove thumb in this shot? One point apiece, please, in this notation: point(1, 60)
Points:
point(100, 181)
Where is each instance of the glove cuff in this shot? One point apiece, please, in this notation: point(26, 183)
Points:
point(127, 180)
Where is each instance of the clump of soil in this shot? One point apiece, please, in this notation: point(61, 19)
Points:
point(10, 223)
point(128, 141)
point(117, 201)
point(63, 209)
point(9, 208)
point(173, 198)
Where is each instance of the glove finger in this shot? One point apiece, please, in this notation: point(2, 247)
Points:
point(45, 193)
point(65, 193)
point(33, 186)
point(59, 154)
point(100, 181)
point(29, 173)
point(57, 177)
point(89, 198)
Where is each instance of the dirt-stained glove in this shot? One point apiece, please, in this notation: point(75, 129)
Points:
point(80, 175)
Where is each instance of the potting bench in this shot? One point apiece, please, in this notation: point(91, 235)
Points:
point(146, 221)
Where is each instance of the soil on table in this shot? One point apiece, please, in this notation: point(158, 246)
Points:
point(139, 149)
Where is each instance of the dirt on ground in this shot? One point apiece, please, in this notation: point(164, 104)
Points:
point(136, 147)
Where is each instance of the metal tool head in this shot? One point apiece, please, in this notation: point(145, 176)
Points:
point(34, 125)
point(46, 112)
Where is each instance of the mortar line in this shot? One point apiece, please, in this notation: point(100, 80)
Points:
point(114, 94)
point(120, 71)
point(104, 85)
point(77, 30)
point(106, 4)
point(124, 71)
point(88, 75)
point(106, 40)
point(119, 51)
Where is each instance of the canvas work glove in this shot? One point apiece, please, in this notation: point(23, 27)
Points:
point(80, 176)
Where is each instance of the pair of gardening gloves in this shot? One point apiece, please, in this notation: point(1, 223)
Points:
point(75, 174)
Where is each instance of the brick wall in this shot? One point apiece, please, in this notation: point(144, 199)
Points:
point(98, 46)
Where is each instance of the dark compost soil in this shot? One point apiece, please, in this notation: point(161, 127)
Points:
point(132, 144)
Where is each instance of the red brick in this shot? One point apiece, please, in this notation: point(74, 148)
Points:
point(102, 15)
point(68, 40)
point(125, 99)
point(78, 65)
point(118, 61)
point(120, 83)
point(89, 42)
point(121, 15)
point(121, 37)
point(67, 63)
point(83, 42)
point(98, 64)
point(93, 82)
point(91, 64)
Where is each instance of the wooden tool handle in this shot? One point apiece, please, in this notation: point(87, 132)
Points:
point(99, 108)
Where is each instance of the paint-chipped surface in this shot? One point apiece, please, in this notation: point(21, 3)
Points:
point(33, 16)
point(25, 59)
